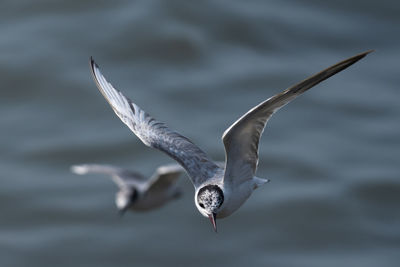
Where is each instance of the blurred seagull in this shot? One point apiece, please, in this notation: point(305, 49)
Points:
point(135, 191)
point(218, 191)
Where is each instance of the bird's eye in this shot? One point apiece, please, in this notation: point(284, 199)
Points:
point(201, 205)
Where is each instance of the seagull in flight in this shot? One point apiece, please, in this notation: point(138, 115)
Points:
point(219, 191)
point(135, 191)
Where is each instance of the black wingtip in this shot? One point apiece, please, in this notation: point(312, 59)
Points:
point(363, 54)
point(350, 61)
point(92, 63)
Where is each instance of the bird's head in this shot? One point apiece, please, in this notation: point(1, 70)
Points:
point(208, 201)
point(125, 198)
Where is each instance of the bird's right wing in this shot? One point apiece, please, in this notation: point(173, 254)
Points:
point(164, 177)
point(121, 177)
point(156, 134)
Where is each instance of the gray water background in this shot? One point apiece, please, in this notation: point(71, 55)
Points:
point(333, 155)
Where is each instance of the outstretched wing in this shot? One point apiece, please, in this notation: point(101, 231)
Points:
point(164, 177)
point(156, 134)
point(121, 177)
point(242, 137)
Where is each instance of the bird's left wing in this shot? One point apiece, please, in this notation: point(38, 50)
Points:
point(242, 137)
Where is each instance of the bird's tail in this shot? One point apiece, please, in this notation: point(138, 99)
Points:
point(259, 182)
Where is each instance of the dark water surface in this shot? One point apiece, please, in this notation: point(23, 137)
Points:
point(333, 155)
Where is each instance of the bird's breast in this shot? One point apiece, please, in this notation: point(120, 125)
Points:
point(234, 198)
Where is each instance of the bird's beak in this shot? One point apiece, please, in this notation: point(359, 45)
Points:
point(213, 218)
point(121, 212)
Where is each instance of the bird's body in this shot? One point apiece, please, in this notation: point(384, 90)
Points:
point(135, 191)
point(219, 191)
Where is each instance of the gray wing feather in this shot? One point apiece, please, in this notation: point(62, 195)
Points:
point(121, 177)
point(156, 134)
point(242, 137)
point(164, 177)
